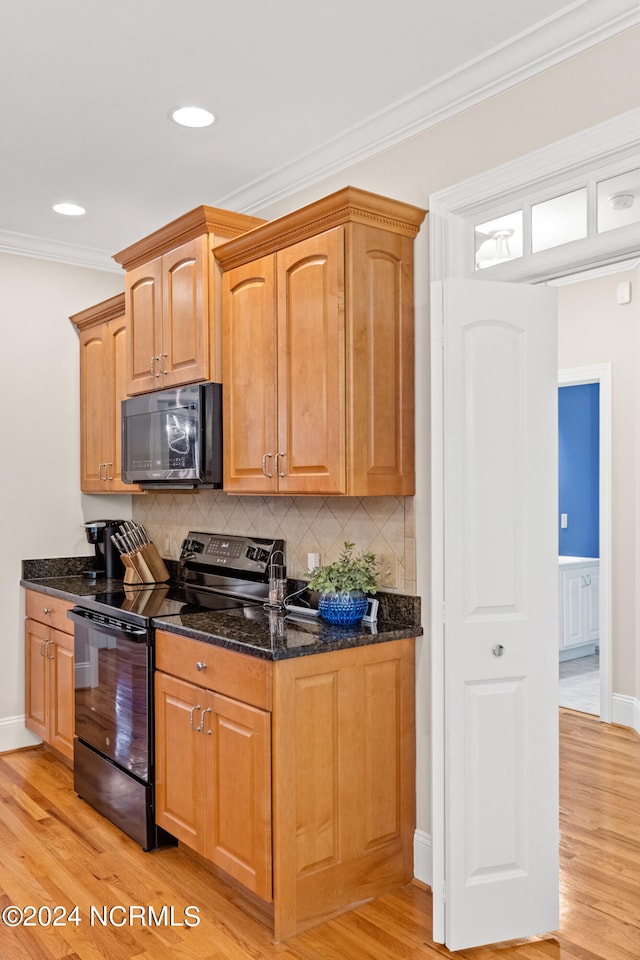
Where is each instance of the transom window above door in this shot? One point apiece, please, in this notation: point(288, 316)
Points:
point(542, 224)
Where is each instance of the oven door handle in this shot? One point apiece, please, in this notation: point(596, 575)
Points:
point(125, 630)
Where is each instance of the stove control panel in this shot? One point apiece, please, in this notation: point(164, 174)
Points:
point(236, 554)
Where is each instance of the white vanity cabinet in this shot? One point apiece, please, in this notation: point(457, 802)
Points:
point(579, 585)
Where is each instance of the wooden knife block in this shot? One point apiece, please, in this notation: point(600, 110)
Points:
point(144, 566)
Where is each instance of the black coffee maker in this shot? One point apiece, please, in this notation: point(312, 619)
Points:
point(107, 561)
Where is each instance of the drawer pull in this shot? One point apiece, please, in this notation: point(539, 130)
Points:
point(201, 665)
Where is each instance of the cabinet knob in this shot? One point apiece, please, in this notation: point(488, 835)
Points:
point(46, 610)
point(201, 665)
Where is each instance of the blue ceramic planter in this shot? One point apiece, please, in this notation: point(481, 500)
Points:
point(343, 609)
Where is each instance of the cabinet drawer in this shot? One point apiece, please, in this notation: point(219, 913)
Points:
point(233, 674)
point(49, 610)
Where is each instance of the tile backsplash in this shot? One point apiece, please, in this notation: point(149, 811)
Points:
point(384, 525)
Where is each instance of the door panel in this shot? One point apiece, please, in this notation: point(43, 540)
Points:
point(250, 377)
point(37, 707)
point(311, 388)
point(94, 410)
point(185, 326)
point(143, 290)
point(500, 588)
point(180, 770)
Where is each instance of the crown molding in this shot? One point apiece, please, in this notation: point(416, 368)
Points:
point(568, 33)
point(581, 25)
point(72, 254)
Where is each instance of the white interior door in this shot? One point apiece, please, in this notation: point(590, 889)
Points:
point(495, 719)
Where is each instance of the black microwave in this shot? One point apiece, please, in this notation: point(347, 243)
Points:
point(173, 438)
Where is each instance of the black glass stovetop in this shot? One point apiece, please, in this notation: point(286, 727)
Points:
point(139, 603)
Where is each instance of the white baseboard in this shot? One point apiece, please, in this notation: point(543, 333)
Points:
point(14, 735)
point(626, 711)
point(422, 857)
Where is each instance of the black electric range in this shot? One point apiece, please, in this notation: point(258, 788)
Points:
point(114, 662)
point(215, 572)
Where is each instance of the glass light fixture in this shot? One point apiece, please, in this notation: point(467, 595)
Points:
point(498, 240)
point(192, 116)
point(69, 209)
point(619, 201)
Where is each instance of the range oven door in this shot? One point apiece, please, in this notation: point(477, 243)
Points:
point(112, 690)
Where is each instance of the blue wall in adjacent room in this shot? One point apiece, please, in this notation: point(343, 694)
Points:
point(578, 464)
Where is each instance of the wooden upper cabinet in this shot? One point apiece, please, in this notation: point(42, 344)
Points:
point(172, 300)
point(328, 292)
point(103, 335)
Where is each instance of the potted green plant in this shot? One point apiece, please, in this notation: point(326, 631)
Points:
point(344, 584)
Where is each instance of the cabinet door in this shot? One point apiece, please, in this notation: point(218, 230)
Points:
point(143, 297)
point(62, 693)
point(380, 361)
point(593, 603)
point(95, 409)
point(117, 380)
point(184, 357)
point(311, 366)
point(574, 629)
point(239, 823)
point(183, 784)
point(249, 378)
point(36, 666)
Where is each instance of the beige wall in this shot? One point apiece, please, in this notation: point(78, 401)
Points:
point(42, 508)
point(594, 329)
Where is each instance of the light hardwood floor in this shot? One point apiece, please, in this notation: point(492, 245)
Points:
point(54, 849)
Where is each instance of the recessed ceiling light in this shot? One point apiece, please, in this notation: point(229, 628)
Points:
point(69, 209)
point(192, 117)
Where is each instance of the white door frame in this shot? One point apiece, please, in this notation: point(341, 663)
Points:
point(601, 374)
point(614, 144)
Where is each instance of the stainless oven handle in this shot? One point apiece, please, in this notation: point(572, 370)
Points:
point(125, 630)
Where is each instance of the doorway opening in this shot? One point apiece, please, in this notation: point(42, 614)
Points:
point(584, 554)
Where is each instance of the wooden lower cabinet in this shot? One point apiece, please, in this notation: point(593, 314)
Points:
point(49, 673)
point(307, 795)
point(213, 779)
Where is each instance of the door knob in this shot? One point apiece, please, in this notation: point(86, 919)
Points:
point(498, 650)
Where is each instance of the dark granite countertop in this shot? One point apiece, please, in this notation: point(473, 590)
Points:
point(252, 630)
point(269, 635)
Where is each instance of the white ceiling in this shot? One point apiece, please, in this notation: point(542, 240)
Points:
point(298, 88)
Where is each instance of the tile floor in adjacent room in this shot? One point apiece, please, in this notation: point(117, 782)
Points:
point(580, 684)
